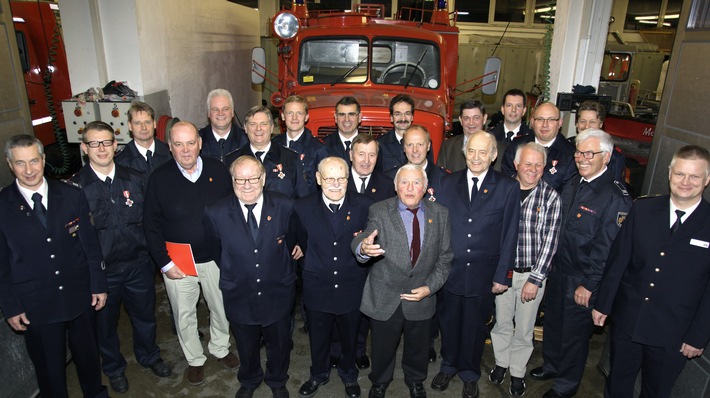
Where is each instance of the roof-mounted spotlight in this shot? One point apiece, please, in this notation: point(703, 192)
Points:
point(286, 25)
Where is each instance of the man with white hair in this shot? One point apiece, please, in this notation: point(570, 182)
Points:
point(222, 135)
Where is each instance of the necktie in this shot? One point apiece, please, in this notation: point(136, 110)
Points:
point(39, 209)
point(347, 149)
point(251, 222)
point(401, 142)
point(258, 155)
point(334, 207)
point(676, 224)
point(415, 247)
point(509, 136)
point(149, 159)
point(290, 143)
point(474, 189)
point(362, 184)
point(108, 182)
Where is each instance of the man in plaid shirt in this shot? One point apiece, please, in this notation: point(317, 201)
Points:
point(537, 242)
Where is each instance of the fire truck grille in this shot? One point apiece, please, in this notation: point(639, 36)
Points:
point(374, 131)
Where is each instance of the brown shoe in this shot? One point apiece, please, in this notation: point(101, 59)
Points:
point(195, 375)
point(230, 361)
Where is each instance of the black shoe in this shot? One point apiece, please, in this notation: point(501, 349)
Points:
point(417, 390)
point(352, 390)
point(497, 375)
point(377, 391)
point(119, 383)
point(160, 368)
point(470, 389)
point(362, 362)
point(432, 355)
point(244, 392)
point(279, 392)
point(553, 394)
point(310, 387)
point(441, 381)
point(334, 362)
point(540, 373)
point(517, 386)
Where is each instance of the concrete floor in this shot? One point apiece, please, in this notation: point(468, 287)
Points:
point(223, 383)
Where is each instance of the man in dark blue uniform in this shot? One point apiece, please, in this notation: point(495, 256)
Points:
point(391, 154)
point(593, 207)
point(115, 195)
point(51, 271)
point(347, 118)
point(364, 178)
point(222, 135)
point(144, 152)
point(513, 110)
point(298, 138)
point(332, 278)
point(284, 169)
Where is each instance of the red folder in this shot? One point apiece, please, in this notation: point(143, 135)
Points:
point(181, 254)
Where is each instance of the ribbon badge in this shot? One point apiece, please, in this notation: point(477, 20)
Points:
point(553, 170)
point(280, 169)
point(129, 201)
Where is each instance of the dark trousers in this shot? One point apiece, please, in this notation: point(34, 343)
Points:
point(134, 286)
point(385, 340)
point(462, 323)
point(46, 346)
point(277, 339)
point(660, 367)
point(568, 327)
point(321, 327)
point(363, 331)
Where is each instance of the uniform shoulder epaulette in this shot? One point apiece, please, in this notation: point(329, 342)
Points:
point(649, 196)
point(70, 182)
point(622, 188)
point(289, 149)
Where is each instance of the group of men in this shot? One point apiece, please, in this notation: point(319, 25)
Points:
point(384, 239)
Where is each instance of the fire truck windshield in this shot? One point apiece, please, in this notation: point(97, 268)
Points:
point(392, 61)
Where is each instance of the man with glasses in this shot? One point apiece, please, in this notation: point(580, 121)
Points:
point(332, 278)
point(257, 277)
point(115, 194)
point(472, 115)
point(284, 169)
point(594, 205)
point(176, 197)
point(143, 153)
point(347, 118)
point(222, 135)
point(546, 123)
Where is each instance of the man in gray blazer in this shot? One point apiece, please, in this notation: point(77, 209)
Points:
point(399, 291)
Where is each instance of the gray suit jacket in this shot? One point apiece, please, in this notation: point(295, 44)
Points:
point(451, 155)
point(392, 273)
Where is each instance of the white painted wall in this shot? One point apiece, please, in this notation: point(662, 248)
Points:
point(172, 52)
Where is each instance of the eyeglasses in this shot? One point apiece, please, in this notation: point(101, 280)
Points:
point(331, 180)
point(587, 154)
point(96, 144)
point(242, 181)
point(543, 120)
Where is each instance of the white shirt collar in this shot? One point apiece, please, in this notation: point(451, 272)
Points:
point(257, 209)
point(688, 211)
point(102, 176)
point(27, 193)
point(218, 137)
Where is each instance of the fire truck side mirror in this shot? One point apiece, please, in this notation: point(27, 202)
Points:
point(258, 65)
point(490, 76)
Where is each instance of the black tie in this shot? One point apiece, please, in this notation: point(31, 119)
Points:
point(39, 209)
point(108, 183)
point(676, 224)
point(258, 155)
point(290, 143)
point(362, 185)
point(415, 247)
point(334, 207)
point(347, 149)
point(509, 136)
point(401, 142)
point(149, 159)
point(474, 189)
point(251, 222)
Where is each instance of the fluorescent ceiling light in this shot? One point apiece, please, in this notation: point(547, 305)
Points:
point(17, 19)
point(545, 9)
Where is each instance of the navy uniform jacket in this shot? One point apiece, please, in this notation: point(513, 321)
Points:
point(391, 154)
point(500, 132)
point(130, 157)
point(48, 274)
point(657, 286)
point(258, 280)
point(284, 170)
point(332, 278)
point(484, 234)
point(560, 167)
point(380, 187)
point(434, 174)
point(213, 149)
point(336, 147)
point(310, 152)
point(591, 218)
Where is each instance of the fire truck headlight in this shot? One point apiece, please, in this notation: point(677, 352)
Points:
point(286, 25)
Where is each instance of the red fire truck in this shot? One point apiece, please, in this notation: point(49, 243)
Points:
point(323, 56)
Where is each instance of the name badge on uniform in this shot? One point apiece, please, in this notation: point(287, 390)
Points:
point(700, 243)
